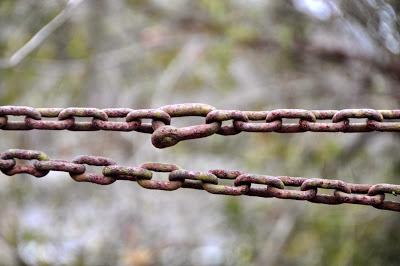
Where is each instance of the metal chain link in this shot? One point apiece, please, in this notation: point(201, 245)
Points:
point(165, 135)
point(242, 183)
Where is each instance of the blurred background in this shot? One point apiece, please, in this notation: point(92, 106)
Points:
point(239, 54)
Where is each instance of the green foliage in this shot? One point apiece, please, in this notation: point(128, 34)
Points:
point(216, 9)
point(233, 213)
point(219, 56)
point(324, 152)
point(78, 45)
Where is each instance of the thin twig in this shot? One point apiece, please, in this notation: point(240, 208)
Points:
point(41, 35)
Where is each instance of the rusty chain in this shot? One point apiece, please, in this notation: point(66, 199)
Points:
point(165, 135)
point(241, 183)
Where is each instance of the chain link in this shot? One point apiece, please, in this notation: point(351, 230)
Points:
point(165, 135)
point(242, 183)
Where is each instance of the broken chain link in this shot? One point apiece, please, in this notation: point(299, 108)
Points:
point(241, 183)
point(165, 135)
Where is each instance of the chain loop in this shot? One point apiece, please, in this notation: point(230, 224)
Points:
point(20, 111)
point(224, 115)
point(44, 125)
point(166, 136)
point(248, 179)
point(160, 185)
point(344, 116)
point(257, 127)
point(116, 126)
point(127, 173)
point(302, 115)
point(375, 200)
point(9, 166)
point(94, 113)
point(60, 166)
point(315, 183)
point(92, 177)
point(26, 111)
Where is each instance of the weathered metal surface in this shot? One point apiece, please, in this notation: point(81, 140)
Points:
point(242, 183)
point(164, 134)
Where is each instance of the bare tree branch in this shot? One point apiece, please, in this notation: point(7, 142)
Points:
point(41, 35)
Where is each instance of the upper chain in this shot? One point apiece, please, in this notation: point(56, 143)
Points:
point(165, 135)
point(241, 183)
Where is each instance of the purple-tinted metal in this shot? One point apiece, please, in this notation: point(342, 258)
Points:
point(323, 183)
point(357, 113)
point(363, 199)
point(60, 166)
point(154, 114)
point(127, 173)
point(160, 185)
point(44, 125)
point(182, 175)
point(226, 190)
point(13, 168)
point(92, 177)
point(20, 111)
point(165, 135)
point(384, 188)
point(247, 179)
point(3, 121)
point(268, 186)
point(225, 115)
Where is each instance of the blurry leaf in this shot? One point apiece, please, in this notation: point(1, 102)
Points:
point(78, 45)
point(47, 51)
point(233, 212)
point(241, 33)
point(217, 9)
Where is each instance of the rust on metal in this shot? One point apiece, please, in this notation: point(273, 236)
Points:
point(164, 134)
point(267, 186)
